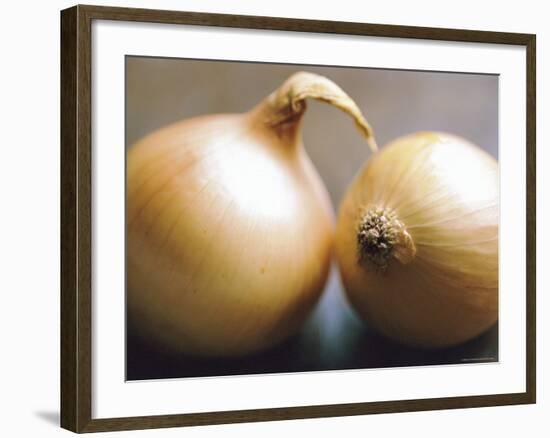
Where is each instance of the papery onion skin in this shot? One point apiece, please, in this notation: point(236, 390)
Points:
point(440, 286)
point(229, 229)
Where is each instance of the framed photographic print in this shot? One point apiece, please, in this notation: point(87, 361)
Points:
point(267, 218)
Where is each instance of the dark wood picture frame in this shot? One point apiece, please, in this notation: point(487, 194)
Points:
point(76, 218)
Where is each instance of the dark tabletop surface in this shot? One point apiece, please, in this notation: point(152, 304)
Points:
point(333, 338)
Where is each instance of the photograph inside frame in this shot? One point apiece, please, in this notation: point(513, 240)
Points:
point(296, 218)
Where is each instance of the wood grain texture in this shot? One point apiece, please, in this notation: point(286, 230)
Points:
point(76, 223)
point(75, 220)
point(531, 214)
point(69, 328)
point(299, 25)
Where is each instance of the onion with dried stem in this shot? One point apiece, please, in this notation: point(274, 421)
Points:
point(229, 227)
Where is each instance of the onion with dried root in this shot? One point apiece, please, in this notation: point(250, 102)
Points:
point(417, 240)
point(229, 227)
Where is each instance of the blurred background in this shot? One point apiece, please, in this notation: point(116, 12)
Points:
point(160, 91)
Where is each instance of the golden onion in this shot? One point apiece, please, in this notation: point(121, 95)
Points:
point(229, 227)
point(417, 240)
